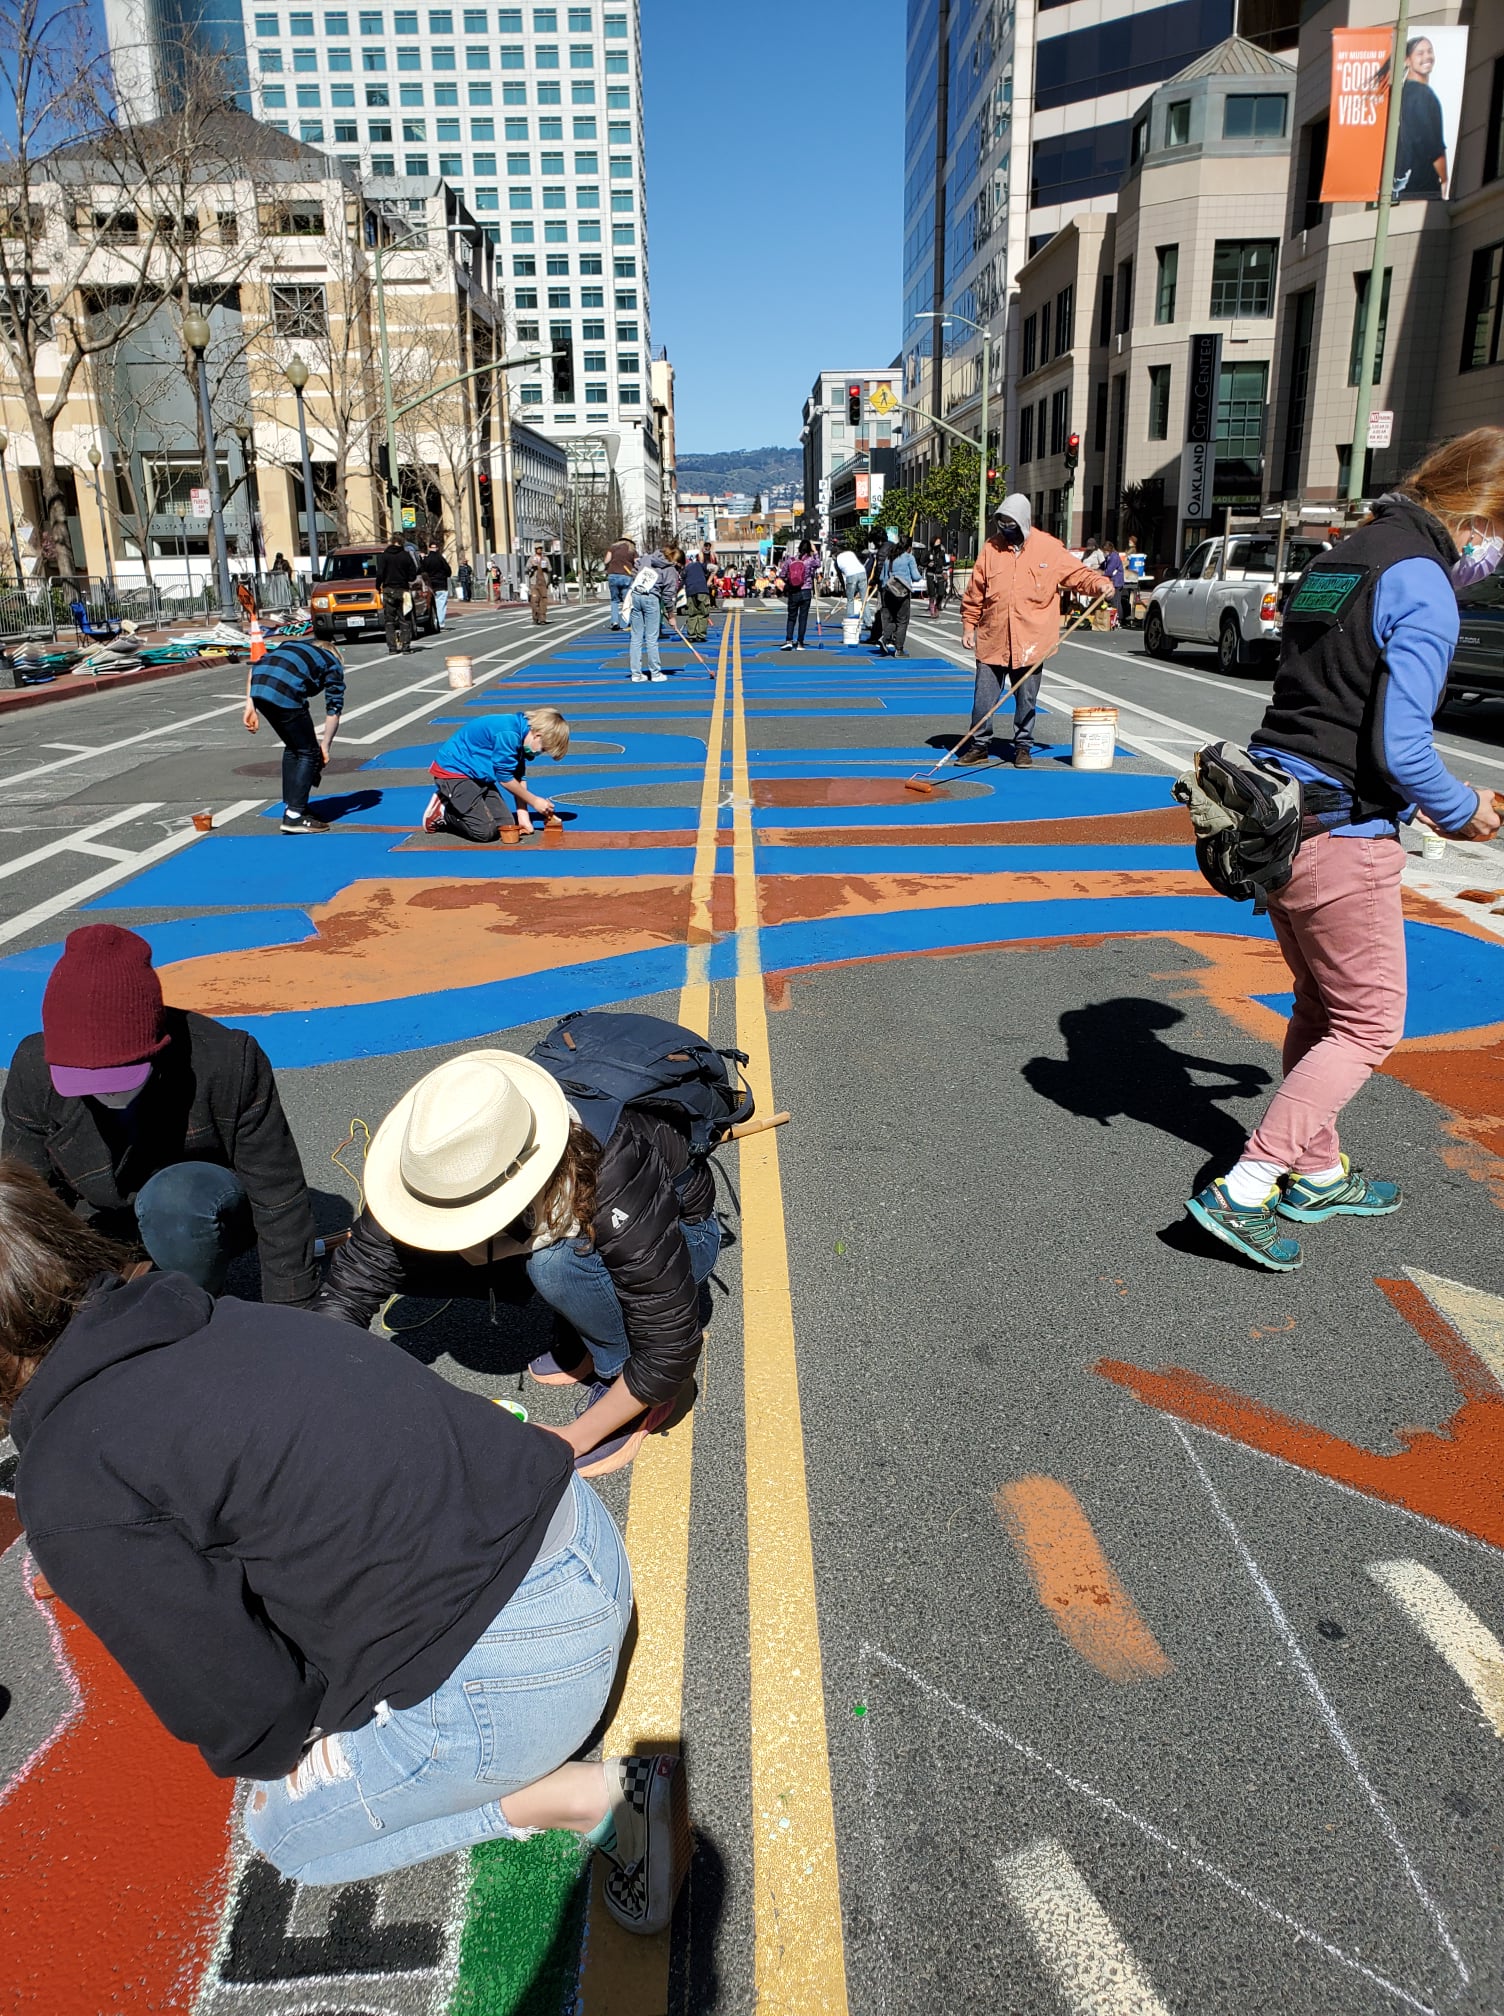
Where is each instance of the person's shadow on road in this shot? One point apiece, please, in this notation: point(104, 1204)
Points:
point(1119, 1066)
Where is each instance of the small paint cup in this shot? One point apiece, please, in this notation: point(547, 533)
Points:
point(513, 1407)
point(1433, 846)
point(203, 822)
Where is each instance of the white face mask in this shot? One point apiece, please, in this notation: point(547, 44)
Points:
point(1479, 559)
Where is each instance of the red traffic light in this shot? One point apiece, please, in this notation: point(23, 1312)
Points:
point(1073, 444)
point(854, 405)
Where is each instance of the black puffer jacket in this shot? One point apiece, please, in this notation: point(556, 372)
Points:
point(648, 1183)
point(212, 1098)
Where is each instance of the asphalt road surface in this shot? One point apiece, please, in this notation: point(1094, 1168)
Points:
point(1056, 1614)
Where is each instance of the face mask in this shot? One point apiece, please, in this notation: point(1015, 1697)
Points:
point(120, 1102)
point(1479, 559)
point(1009, 533)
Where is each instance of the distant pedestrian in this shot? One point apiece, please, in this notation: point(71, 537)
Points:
point(280, 686)
point(1010, 613)
point(280, 566)
point(934, 580)
point(438, 574)
point(1368, 636)
point(539, 581)
point(493, 580)
point(655, 588)
point(853, 579)
point(1111, 564)
point(396, 571)
point(900, 578)
point(877, 560)
point(465, 575)
point(798, 577)
point(621, 565)
point(697, 588)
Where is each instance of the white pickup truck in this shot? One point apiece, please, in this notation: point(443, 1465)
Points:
point(1238, 613)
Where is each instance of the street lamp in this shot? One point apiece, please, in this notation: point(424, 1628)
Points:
point(297, 378)
point(95, 458)
point(559, 501)
point(196, 336)
point(943, 317)
point(252, 487)
point(10, 516)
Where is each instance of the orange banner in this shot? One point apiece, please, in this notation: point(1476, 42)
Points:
point(1360, 105)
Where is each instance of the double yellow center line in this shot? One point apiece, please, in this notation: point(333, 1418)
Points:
point(799, 1955)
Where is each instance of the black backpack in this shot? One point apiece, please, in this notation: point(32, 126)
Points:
point(605, 1063)
point(1247, 815)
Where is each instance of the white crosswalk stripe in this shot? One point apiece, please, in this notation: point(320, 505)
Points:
point(1076, 1941)
point(1453, 1628)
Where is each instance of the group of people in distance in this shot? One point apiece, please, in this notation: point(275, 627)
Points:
point(392, 1604)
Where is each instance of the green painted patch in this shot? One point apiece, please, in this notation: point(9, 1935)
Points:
point(524, 1920)
point(1326, 591)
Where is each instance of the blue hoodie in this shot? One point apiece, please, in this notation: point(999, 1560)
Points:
point(488, 749)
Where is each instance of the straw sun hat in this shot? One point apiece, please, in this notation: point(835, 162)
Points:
point(466, 1150)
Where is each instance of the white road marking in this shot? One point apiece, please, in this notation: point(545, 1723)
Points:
point(1105, 1803)
point(66, 899)
point(1452, 1628)
point(1324, 1708)
point(1076, 1941)
point(109, 853)
point(1474, 1312)
point(79, 748)
point(79, 840)
point(445, 697)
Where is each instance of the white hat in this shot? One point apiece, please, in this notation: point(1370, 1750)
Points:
point(465, 1151)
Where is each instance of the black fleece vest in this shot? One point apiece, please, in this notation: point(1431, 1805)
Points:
point(1328, 700)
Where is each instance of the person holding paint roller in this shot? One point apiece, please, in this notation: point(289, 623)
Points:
point(1010, 615)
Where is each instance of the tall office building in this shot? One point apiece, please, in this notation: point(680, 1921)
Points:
point(1019, 116)
point(533, 113)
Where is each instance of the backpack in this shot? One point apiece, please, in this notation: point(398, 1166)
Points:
point(793, 573)
point(607, 1062)
point(1247, 815)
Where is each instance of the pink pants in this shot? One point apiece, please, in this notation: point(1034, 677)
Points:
point(1342, 931)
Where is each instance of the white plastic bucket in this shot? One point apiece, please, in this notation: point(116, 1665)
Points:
point(1094, 736)
point(461, 673)
point(851, 631)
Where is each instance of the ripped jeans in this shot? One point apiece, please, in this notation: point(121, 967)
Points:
point(427, 1780)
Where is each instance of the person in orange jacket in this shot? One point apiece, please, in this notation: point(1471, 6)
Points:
point(1010, 616)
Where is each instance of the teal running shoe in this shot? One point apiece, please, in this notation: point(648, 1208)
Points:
point(1353, 1195)
point(1250, 1229)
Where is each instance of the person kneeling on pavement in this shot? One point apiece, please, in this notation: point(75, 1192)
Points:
point(386, 1599)
point(160, 1127)
point(486, 757)
point(485, 1170)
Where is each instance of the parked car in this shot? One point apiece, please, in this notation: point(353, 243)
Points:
point(347, 603)
point(1478, 668)
point(1238, 612)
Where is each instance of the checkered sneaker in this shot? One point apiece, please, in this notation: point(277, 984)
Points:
point(650, 1803)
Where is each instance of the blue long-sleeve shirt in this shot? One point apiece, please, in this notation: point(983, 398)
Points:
point(489, 749)
point(1415, 625)
point(906, 569)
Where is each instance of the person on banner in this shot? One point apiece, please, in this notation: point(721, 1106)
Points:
point(161, 1128)
point(386, 1602)
point(1420, 162)
point(1010, 616)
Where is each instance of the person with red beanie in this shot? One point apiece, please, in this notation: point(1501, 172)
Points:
point(160, 1127)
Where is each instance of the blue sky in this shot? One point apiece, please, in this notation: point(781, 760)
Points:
point(775, 204)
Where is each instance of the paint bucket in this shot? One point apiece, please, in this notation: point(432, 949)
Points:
point(1433, 846)
point(1094, 735)
point(851, 631)
point(460, 672)
point(203, 822)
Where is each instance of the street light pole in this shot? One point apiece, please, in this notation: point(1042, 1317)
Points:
point(297, 377)
point(95, 458)
point(982, 473)
point(10, 516)
point(252, 487)
point(196, 336)
point(1373, 300)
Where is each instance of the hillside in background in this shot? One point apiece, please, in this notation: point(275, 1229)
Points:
point(748, 469)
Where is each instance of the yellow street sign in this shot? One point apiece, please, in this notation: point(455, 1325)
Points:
point(883, 399)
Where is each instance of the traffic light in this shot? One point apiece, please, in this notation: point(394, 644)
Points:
point(1072, 453)
point(853, 405)
point(563, 371)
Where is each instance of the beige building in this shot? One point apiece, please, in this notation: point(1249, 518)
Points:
point(663, 414)
point(289, 258)
point(1109, 308)
point(1440, 365)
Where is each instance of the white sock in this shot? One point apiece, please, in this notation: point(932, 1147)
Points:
point(1249, 1182)
point(1323, 1177)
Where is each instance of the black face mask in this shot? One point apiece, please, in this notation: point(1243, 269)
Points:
point(1007, 533)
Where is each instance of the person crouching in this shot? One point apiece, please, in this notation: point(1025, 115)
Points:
point(486, 757)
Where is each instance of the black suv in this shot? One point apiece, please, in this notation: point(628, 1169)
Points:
point(1478, 667)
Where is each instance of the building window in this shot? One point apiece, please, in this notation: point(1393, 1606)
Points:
point(1065, 320)
point(440, 21)
point(622, 200)
point(1241, 392)
point(551, 164)
point(616, 66)
point(299, 312)
point(558, 265)
point(340, 59)
point(1243, 277)
point(337, 24)
point(546, 55)
point(1099, 423)
point(305, 60)
point(1060, 420)
point(1167, 271)
point(1482, 343)
point(1300, 322)
point(584, 94)
point(516, 129)
point(1249, 117)
point(1138, 142)
point(519, 199)
point(1159, 402)
point(379, 129)
point(383, 164)
point(587, 196)
point(1355, 349)
point(558, 297)
point(545, 20)
point(414, 129)
point(552, 129)
point(404, 22)
point(292, 220)
point(377, 94)
point(409, 59)
point(550, 94)
point(623, 234)
point(532, 395)
point(415, 164)
point(370, 24)
point(553, 198)
point(1125, 297)
point(1031, 346)
point(266, 24)
point(1178, 123)
point(308, 97)
point(579, 20)
point(581, 56)
point(1026, 435)
point(478, 94)
point(591, 332)
point(373, 59)
point(616, 27)
point(346, 133)
point(625, 269)
point(342, 94)
point(595, 360)
point(271, 62)
point(487, 199)
point(274, 97)
point(311, 132)
point(517, 164)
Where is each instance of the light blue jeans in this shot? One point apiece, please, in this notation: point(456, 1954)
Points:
point(618, 585)
point(580, 1288)
point(647, 617)
point(424, 1781)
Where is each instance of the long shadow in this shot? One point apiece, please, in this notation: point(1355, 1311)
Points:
point(1119, 1067)
point(341, 805)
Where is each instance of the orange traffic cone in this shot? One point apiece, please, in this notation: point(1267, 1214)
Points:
point(258, 642)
